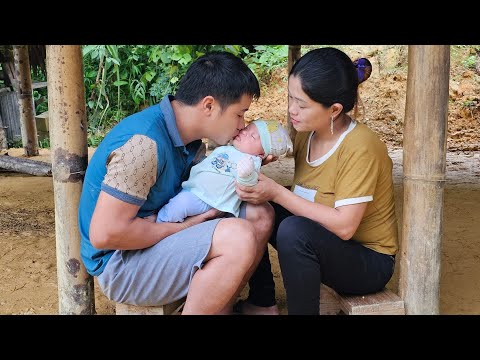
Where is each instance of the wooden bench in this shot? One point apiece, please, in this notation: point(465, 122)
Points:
point(168, 309)
point(384, 302)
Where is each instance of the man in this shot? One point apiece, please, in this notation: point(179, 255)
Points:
point(139, 166)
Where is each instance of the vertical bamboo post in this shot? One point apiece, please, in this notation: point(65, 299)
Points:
point(68, 137)
point(294, 53)
point(424, 163)
point(25, 100)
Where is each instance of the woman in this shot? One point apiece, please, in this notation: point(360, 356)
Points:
point(337, 225)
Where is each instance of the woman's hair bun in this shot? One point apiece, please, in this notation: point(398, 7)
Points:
point(364, 69)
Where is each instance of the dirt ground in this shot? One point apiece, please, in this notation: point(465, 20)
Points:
point(28, 279)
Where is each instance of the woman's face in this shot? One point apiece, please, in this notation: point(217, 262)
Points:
point(306, 114)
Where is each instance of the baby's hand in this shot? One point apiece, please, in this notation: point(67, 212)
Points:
point(245, 167)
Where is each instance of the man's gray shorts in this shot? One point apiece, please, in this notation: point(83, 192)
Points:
point(160, 274)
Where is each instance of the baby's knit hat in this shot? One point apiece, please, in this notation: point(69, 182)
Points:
point(275, 139)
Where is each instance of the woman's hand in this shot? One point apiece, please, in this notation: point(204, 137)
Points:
point(270, 158)
point(264, 191)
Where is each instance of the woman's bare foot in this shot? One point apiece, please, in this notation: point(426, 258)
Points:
point(246, 308)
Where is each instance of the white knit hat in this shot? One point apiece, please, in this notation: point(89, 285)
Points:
point(275, 139)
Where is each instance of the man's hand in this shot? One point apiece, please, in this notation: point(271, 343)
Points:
point(198, 219)
point(151, 218)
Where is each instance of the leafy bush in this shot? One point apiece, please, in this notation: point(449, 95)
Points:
point(470, 62)
point(265, 59)
point(44, 144)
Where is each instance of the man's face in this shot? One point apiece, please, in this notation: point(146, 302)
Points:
point(229, 122)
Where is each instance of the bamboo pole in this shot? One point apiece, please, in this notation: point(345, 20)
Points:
point(294, 53)
point(27, 166)
point(424, 163)
point(68, 137)
point(25, 100)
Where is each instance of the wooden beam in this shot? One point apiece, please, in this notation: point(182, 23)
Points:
point(39, 85)
point(27, 166)
point(424, 163)
point(294, 53)
point(25, 100)
point(168, 309)
point(9, 75)
point(68, 139)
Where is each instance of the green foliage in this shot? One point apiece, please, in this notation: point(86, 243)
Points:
point(463, 57)
point(39, 95)
point(94, 139)
point(44, 144)
point(265, 59)
point(40, 100)
point(470, 62)
point(16, 143)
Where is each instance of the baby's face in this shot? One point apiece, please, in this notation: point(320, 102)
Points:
point(248, 141)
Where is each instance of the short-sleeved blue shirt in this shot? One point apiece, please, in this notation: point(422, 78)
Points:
point(141, 161)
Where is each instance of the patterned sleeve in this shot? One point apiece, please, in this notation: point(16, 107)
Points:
point(132, 170)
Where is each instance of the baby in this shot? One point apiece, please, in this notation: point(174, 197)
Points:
point(212, 182)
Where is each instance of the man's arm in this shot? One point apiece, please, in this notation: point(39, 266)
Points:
point(115, 225)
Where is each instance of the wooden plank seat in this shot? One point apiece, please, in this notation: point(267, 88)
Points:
point(168, 309)
point(384, 302)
